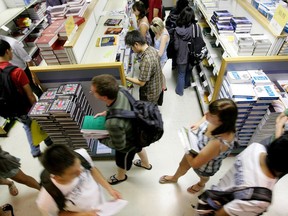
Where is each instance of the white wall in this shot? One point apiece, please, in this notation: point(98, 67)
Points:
point(2, 6)
point(168, 3)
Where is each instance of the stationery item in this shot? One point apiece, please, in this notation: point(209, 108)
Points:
point(189, 140)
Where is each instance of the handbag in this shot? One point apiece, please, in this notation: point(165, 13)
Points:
point(213, 200)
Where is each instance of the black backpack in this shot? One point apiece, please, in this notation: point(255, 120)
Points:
point(170, 25)
point(197, 47)
point(212, 200)
point(148, 120)
point(50, 187)
point(12, 103)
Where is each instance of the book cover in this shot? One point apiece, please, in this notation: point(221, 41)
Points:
point(266, 92)
point(106, 41)
point(46, 40)
point(91, 123)
point(69, 89)
point(40, 108)
point(61, 104)
point(241, 91)
point(49, 94)
point(258, 77)
point(112, 22)
point(189, 140)
point(238, 77)
point(114, 31)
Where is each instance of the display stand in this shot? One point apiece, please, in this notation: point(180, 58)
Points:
point(53, 76)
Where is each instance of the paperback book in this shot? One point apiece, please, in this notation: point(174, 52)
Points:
point(189, 140)
point(94, 127)
point(112, 22)
point(49, 94)
point(106, 41)
point(113, 31)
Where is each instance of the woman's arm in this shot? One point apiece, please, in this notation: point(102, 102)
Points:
point(196, 125)
point(210, 151)
point(143, 28)
point(164, 40)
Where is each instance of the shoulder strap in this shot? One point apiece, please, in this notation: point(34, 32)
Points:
point(8, 69)
point(54, 191)
point(254, 193)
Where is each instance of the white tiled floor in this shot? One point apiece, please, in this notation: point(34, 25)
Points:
point(145, 195)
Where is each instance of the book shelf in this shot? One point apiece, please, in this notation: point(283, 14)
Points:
point(82, 48)
point(54, 76)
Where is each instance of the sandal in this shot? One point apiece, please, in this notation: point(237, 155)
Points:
point(195, 188)
point(163, 180)
point(13, 189)
point(114, 180)
point(138, 163)
point(7, 207)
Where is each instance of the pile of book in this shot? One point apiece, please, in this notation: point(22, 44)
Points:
point(52, 40)
point(262, 44)
point(253, 92)
point(94, 128)
point(37, 11)
point(60, 112)
point(221, 19)
point(244, 44)
point(241, 24)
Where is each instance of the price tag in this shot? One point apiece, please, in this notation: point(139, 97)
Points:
point(215, 71)
point(279, 19)
point(69, 25)
point(230, 38)
point(5, 28)
point(210, 97)
point(201, 73)
point(193, 84)
point(210, 61)
point(217, 42)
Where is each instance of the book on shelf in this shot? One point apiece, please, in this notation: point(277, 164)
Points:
point(69, 89)
point(112, 22)
point(61, 105)
point(58, 10)
point(243, 39)
point(241, 22)
point(46, 40)
point(266, 92)
point(114, 31)
point(189, 140)
point(222, 14)
point(49, 94)
point(241, 91)
point(258, 77)
point(40, 108)
point(107, 41)
point(238, 77)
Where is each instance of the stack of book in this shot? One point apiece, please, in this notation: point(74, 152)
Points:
point(94, 128)
point(244, 44)
point(238, 77)
point(221, 19)
point(37, 11)
point(262, 44)
point(210, 5)
point(76, 7)
point(60, 112)
point(58, 11)
point(266, 7)
point(284, 49)
point(241, 24)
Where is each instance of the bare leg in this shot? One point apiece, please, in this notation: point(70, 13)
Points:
point(12, 188)
point(144, 158)
point(181, 170)
point(22, 178)
point(121, 173)
point(198, 186)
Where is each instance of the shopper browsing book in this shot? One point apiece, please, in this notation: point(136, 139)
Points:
point(216, 136)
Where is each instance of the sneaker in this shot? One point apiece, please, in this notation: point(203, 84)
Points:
point(37, 155)
point(48, 141)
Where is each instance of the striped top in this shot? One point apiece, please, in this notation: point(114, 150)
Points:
point(214, 165)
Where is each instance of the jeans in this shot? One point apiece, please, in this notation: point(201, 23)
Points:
point(184, 78)
point(35, 150)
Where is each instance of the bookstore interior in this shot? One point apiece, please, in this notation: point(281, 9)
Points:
point(247, 61)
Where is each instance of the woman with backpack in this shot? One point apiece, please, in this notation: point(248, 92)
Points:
point(183, 34)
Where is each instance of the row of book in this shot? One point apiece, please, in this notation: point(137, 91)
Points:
point(60, 112)
point(71, 8)
point(253, 92)
point(252, 44)
point(225, 22)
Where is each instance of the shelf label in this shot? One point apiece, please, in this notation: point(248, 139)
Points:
point(279, 19)
point(205, 83)
point(215, 71)
point(201, 73)
point(210, 61)
point(217, 42)
point(5, 28)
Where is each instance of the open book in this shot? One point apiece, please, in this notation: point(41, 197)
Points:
point(189, 140)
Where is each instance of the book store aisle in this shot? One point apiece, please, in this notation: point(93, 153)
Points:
point(146, 197)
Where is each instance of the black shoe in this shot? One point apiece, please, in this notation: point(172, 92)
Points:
point(48, 141)
point(37, 155)
point(8, 207)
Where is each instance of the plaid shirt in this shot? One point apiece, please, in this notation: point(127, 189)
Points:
point(151, 73)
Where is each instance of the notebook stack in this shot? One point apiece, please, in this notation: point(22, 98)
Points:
point(262, 44)
point(221, 19)
point(244, 44)
point(60, 112)
point(241, 24)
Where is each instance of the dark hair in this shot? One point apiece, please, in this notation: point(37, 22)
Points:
point(277, 160)
point(139, 6)
point(180, 5)
point(227, 112)
point(4, 45)
point(146, 3)
point(133, 37)
point(106, 85)
point(186, 17)
point(58, 158)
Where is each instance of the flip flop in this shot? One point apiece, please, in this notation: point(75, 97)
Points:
point(195, 188)
point(7, 207)
point(114, 180)
point(13, 189)
point(163, 180)
point(138, 163)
